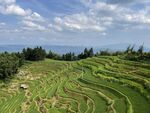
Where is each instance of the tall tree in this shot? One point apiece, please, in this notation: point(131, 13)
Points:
point(85, 53)
point(91, 53)
point(141, 50)
point(34, 54)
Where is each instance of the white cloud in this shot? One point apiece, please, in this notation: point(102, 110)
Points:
point(120, 13)
point(103, 6)
point(136, 18)
point(55, 27)
point(30, 20)
point(14, 10)
point(10, 7)
point(101, 16)
point(34, 17)
point(58, 20)
point(81, 22)
point(93, 20)
point(29, 25)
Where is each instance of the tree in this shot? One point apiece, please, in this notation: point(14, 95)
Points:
point(128, 49)
point(54, 56)
point(69, 57)
point(34, 54)
point(81, 56)
point(105, 52)
point(50, 55)
point(91, 53)
point(141, 50)
point(85, 53)
point(132, 49)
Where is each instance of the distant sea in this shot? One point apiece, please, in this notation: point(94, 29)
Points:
point(65, 49)
point(54, 48)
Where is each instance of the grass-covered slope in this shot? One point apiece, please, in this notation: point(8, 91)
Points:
point(94, 85)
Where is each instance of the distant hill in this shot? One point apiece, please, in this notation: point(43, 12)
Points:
point(65, 49)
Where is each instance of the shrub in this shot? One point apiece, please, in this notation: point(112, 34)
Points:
point(9, 64)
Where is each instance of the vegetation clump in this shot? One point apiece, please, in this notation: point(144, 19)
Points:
point(9, 64)
point(34, 54)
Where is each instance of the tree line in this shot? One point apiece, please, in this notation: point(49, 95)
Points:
point(38, 53)
point(71, 56)
point(129, 54)
point(132, 54)
point(10, 62)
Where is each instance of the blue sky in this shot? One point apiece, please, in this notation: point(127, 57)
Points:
point(75, 22)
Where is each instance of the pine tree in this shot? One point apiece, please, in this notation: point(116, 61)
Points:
point(91, 53)
point(141, 50)
point(85, 53)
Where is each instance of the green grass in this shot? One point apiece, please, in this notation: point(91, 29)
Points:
point(105, 84)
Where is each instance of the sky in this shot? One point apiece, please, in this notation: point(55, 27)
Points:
point(74, 22)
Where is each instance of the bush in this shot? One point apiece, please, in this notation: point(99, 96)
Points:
point(9, 64)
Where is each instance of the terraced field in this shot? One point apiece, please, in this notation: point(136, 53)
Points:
point(94, 85)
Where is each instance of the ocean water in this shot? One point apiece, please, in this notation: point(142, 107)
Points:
point(57, 49)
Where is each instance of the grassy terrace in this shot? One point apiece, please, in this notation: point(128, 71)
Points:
point(94, 85)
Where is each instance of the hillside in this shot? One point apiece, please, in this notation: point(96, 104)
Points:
point(93, 85)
